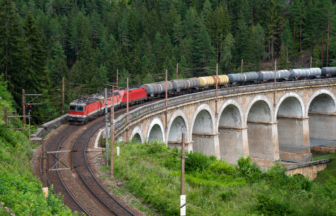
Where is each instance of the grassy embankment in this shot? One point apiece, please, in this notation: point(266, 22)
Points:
point(214, 187)
point(20, 191)
point(329, 172)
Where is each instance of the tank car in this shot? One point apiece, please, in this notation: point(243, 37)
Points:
point(210, 81)
point(328, 71)
point(296, 74)
point(264, 76)
point(247, 77)
point(183, 84)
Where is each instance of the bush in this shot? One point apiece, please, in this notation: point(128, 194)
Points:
point(272, 205)
point(227, 195)
point(249, 170)
point(222, 167)
point(198, 162)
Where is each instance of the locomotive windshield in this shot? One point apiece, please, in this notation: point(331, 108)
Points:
point(80, 108)
point(72, 107)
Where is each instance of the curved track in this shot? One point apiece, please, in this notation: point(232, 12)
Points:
point(97, 192)
point(53, 177)
point(110, 204)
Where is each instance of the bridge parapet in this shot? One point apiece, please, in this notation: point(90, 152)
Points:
point(247, 122)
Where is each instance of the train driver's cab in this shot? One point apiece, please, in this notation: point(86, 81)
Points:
point(78, 108)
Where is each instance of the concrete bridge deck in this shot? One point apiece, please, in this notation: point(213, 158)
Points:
point(242, 121)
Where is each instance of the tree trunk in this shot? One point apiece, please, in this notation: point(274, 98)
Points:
point(294, 32)
point(322, 49)
point(300, 34)
point(328, 45)
point(6, 52)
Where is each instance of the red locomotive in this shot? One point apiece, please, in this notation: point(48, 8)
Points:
point(85, 109)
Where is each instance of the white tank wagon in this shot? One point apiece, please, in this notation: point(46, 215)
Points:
point(247, 77)
point(305, 73)
point(158, 88)
point(181, 84)
point(264, 76)
point(328, 71)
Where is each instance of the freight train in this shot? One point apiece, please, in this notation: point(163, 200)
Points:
point(85, 109)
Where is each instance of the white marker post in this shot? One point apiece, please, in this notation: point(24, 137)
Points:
point(118, 151)
point(183, 205)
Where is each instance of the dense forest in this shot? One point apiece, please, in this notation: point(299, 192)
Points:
point(86, 41)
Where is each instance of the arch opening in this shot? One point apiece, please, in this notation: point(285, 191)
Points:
point(155, 134)
point(293, 133)
point(261, 132)
point(203, 133)
point(136, 138)
point(322, 103)
point(230, 134)
point(322, 121)
point(177, 127)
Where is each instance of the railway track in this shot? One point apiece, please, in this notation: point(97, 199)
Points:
point(54, 177)
point(80, 161)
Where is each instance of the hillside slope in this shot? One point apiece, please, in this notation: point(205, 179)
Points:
point(20, 191)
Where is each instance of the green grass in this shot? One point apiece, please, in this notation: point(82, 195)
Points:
point(330, 172)
point(214, 187)
point(20, 190)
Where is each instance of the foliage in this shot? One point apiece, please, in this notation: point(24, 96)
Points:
point(20, 191)
point(151, 171)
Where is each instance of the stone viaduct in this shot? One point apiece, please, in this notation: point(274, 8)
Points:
point(241, 121)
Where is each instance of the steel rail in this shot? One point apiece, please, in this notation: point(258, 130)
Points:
point(59, 177)
point(94, 185)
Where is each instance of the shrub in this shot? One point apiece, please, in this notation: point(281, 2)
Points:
point(271, 205)
point(197, 161)
point(221, 167)
point(227, 195)
point(249, 170)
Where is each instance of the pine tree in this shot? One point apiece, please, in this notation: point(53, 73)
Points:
point(178, 30)
point(59, 68)
point(311, 25)
point(9, 39)
point(287, 40)
point(258, 40)
point(148, 79)
point(228, 46)
point(203, 50)
point(207, 7)
point(190, 23)
point(103, 73)
point(283, 64)
point(35, 67)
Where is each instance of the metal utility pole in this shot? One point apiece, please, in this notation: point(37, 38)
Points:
point(241, 66)
point(63, 96)
point(44, 164)
point(216, 85)
point(166, 120)
point(24, 107)
point(177, 71)
point(127, 112)
point(117, 79)
point(274, 82)
point(5, 115)
point(112, 131)
point(183, 197)
point(106, 128)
